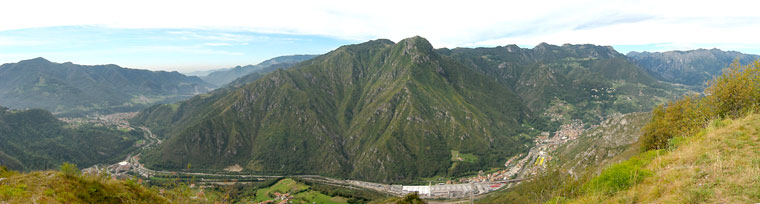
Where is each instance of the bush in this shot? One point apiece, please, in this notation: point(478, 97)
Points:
point(736, 91)
point(681, 117)
point(70, 169)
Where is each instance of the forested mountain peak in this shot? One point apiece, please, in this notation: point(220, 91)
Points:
point(377, 110)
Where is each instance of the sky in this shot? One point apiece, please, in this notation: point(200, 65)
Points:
point(192, 35)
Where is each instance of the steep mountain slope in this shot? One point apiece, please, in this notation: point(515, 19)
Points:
point(34, 139)
point(377, 111)
point(568, 82)
point(611, 141)
point(223, 77)
point(69, 88)
point(693, 67)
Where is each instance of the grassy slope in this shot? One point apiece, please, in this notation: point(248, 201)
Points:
point(54, 187)
point(718, 165)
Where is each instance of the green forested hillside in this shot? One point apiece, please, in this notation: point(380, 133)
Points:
point(378, 111)
point(586, 82)
point(34, 139)
point(76, 89)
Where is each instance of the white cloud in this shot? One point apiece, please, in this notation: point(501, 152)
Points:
point(177, 49)
point(15, 41)
point(444, 23)
point(217, 44)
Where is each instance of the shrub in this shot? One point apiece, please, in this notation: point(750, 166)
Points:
point(681, 117)
point(70, 169)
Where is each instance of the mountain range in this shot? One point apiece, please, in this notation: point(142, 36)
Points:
point(224, 76)
point(563, 83)
point(386, 111)
point(693, 67)
point(67, 88)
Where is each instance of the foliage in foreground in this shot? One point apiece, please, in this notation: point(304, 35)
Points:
point(730, 95)
point(70, 186)
point(57, 187)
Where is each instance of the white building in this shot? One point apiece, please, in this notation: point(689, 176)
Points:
point(422, 190)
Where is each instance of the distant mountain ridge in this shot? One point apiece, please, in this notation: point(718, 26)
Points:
point(223, 77)
point(67, 88)
point(202, 73)
point(693, 67)
point(567, 82)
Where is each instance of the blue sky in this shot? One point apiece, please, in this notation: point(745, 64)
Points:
point(157, 49)
point(184, 36)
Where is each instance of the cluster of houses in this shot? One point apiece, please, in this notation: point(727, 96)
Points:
point(118, 120)
point(570, 131)
point(282, 197)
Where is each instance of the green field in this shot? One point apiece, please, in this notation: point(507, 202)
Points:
point(456, 156)
point(300, 192)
